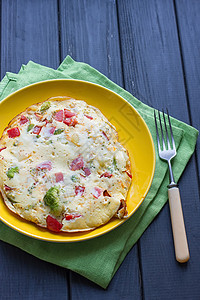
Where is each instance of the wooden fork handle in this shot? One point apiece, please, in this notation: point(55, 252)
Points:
point(178, 226)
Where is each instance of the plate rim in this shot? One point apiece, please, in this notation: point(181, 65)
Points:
point(80, 239)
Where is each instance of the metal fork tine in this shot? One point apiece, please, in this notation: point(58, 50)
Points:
point(168, 143)
point(159, 149)
point(161, 129)
point(172, 137)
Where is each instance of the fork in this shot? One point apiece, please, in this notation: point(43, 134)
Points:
point(167, 150)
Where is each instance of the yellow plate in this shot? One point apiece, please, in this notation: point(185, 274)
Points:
point(133, 134)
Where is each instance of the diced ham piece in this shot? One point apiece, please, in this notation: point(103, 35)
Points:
point(46, 165)
point(79, 190)
point(13, 132)
point(129, 175)
point(68, 113)
point(87, 171)
point(70, 122)
point(70, 217)
point(53, 224)
point(89, 117)
point(77, 164)
point(59, 116)
point(59, 177)
point(7, 188)
point(106, 174)
point(37, 129)
point(47, 131)
point(23, 120)
point(3, 149)
point(96, 192)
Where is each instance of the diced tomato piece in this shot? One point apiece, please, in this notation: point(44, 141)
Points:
point(45, 165)
point(37, 129)
point(7, 188)
point(59, 177)
point(2, 149)
point(53, 224)
point(68, 113)
point(105, 135)
point(87, 171)
point(77, 164)
point(59, 116)
point(70, 122)
point(105, 193)
point(89, 117)
point(96, 192)
point(129, 175)
point(106, 174)
point(70, 217)
point(79, 190)
point(23, 120)
point(13, 132)
point(52, 129)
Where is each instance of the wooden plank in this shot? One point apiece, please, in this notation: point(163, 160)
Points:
point(29, 32)
point(189, 34)
point(89, 33)
point(153, 72)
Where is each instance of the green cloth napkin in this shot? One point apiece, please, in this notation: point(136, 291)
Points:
point(98, 259)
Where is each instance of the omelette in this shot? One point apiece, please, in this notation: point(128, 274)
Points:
point(62, 166)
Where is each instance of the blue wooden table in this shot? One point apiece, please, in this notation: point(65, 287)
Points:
point(152, 49)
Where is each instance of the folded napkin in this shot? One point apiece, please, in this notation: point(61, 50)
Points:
point(98, 259)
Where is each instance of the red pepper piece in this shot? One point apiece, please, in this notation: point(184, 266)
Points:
point(79, 190)
point(96, 192)
point(13, 132)
point(89, 117)
point(59, 177)
point(129, 175)
point(105, 135)
point(37, 129)
point(45, 165)
point(59, 116)
point(77, 164)
point(7, 188)
point(53, 224)
point(23, 120)
point(70, 122)
point(2, 149)
point(70, 217)
point(106, 174)
point(39, 117)
point(68, 113)
point(87, 171)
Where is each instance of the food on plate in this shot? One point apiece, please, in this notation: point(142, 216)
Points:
point(62, 166)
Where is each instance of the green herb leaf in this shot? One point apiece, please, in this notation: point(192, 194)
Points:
point(11, 172)
point(30, 126)
point(74, 178)
point(45, 106)
point(58, 131)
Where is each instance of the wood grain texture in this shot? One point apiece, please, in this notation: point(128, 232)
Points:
point(29, 31)
point(189, 32)
point(89, 33)
point(153, 72)
point(25, 277)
